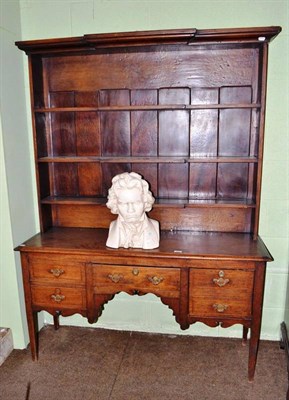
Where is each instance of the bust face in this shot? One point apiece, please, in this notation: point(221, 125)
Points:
point(130, 204)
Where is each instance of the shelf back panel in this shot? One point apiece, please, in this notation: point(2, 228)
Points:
point(162, 66)
point(224, 219)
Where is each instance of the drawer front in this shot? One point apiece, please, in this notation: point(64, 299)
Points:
point(58, 297)
point(112, 279)
point(217, 292)
point(56, 268)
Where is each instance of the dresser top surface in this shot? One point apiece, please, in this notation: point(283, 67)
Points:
point(175, 244)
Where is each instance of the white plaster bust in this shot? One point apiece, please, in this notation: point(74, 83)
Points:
point(130, 198)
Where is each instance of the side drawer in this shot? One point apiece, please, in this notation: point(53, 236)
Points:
point(56, 268)
point(58, 297)
point(117, 278)
point(216, 292)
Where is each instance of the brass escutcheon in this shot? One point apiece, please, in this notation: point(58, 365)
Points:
point(220, 307)
point(155, 280)
point(135, 271)
point(221, 281)
point(115, 277)
point(56, 272)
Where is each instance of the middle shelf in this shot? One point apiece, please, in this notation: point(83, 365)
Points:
point(183, 203)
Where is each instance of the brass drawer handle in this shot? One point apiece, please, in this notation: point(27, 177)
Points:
point(155, 280)
point(220, 307)
point(115, 277)
point(221, 281)
point(56, 272)
point(57, 296)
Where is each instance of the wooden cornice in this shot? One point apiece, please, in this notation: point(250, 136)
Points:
point(191, 36)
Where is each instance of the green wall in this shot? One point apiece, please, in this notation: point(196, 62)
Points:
point(17, 219)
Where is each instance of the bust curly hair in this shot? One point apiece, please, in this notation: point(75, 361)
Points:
point(129, 180)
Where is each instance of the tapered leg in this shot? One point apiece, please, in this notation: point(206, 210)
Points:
point(33, 333)
point(31, 315)
point(256, 318)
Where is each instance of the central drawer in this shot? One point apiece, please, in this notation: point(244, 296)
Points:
point(109, 279)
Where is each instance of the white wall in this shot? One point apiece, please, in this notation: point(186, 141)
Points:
point(59, 18)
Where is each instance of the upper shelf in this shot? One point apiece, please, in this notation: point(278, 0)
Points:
point(147, 160)
point(148, 38)
point(160, 107)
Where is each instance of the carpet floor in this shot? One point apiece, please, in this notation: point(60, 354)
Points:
point(97, 364)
